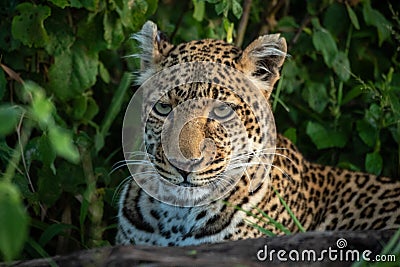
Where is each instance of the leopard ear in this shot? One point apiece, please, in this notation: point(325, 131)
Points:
point(262, 59)
point(154, 48)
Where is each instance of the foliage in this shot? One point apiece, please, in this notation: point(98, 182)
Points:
point(64, 83)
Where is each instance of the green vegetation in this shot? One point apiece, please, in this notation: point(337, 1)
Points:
point(65, 81)
point(389, 256)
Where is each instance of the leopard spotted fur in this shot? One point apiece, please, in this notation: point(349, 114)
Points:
point(321, 197)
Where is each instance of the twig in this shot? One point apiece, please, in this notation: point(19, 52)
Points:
point(13, 75)
point(22, 142)
point(243, 22)
point(180, 19)
point(270, 14)
point(305, 22)
point(93, 197)
point(23, 137)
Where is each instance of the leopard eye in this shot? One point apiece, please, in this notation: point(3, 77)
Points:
point(222, 111)
point(162, 109)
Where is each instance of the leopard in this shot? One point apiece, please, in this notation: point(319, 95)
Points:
point(279, 184)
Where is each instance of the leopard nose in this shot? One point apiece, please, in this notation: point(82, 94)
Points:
point(184, 174)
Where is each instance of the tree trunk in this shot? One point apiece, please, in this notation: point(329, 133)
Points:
point(341, 248)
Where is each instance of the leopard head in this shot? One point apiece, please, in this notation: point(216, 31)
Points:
point(207, 119)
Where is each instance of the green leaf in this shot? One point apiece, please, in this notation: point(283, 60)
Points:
point(76, 3)
point(73, 72)
point(312, 7)
point(25, 190)
point(91, 110)
point(61, 36)
point(199, 9)
point(54, 230)
point(324, 43)
point(49, 187)
point(72, 177)
point(79, 107)
point(367, 132)
point(91, 34)
point(84, 108)
point(13, 221)
point(222, 7)
point(373, 17)
point(287, 22)
point(228, 26)
point(98, 141)
point(335, 19)
point(341, 66)
point(60, 3)
point(294, 76)
point(394, 100)
point(91, 5)
point(113, 31)
point(46, 152)
point(373, 115)
point(291, 133)
point(42, 108)
point(352, 94)
point(28, 27)
point(116, 104)
point(316, 96)
point(152, 7)
point(324, 138)
point(104, 74)
point(237, 9)
point(62, 143)
point(40, 149)
point(352, 16)
point(40, 251)
point(132, 13)
point(9, 119)
point(374, 163)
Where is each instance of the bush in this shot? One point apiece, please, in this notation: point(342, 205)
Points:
point(65, 81)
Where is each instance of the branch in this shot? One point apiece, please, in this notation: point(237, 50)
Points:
point(234, 253)
point(243, 23)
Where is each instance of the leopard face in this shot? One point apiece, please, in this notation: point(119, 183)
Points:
point(205, 116)
point(198, 146)
point(209, 137)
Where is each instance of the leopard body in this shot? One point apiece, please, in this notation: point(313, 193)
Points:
point(321, 197)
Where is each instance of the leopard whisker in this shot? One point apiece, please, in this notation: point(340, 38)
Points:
point(154, 175)
point(255, 153)
point(283, 172)
point(221, 181)
point(119, 188)
point(130, 163)
point(250, 164)
point(138, 153)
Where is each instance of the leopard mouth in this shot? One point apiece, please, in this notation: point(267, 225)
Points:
point(187, 184)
